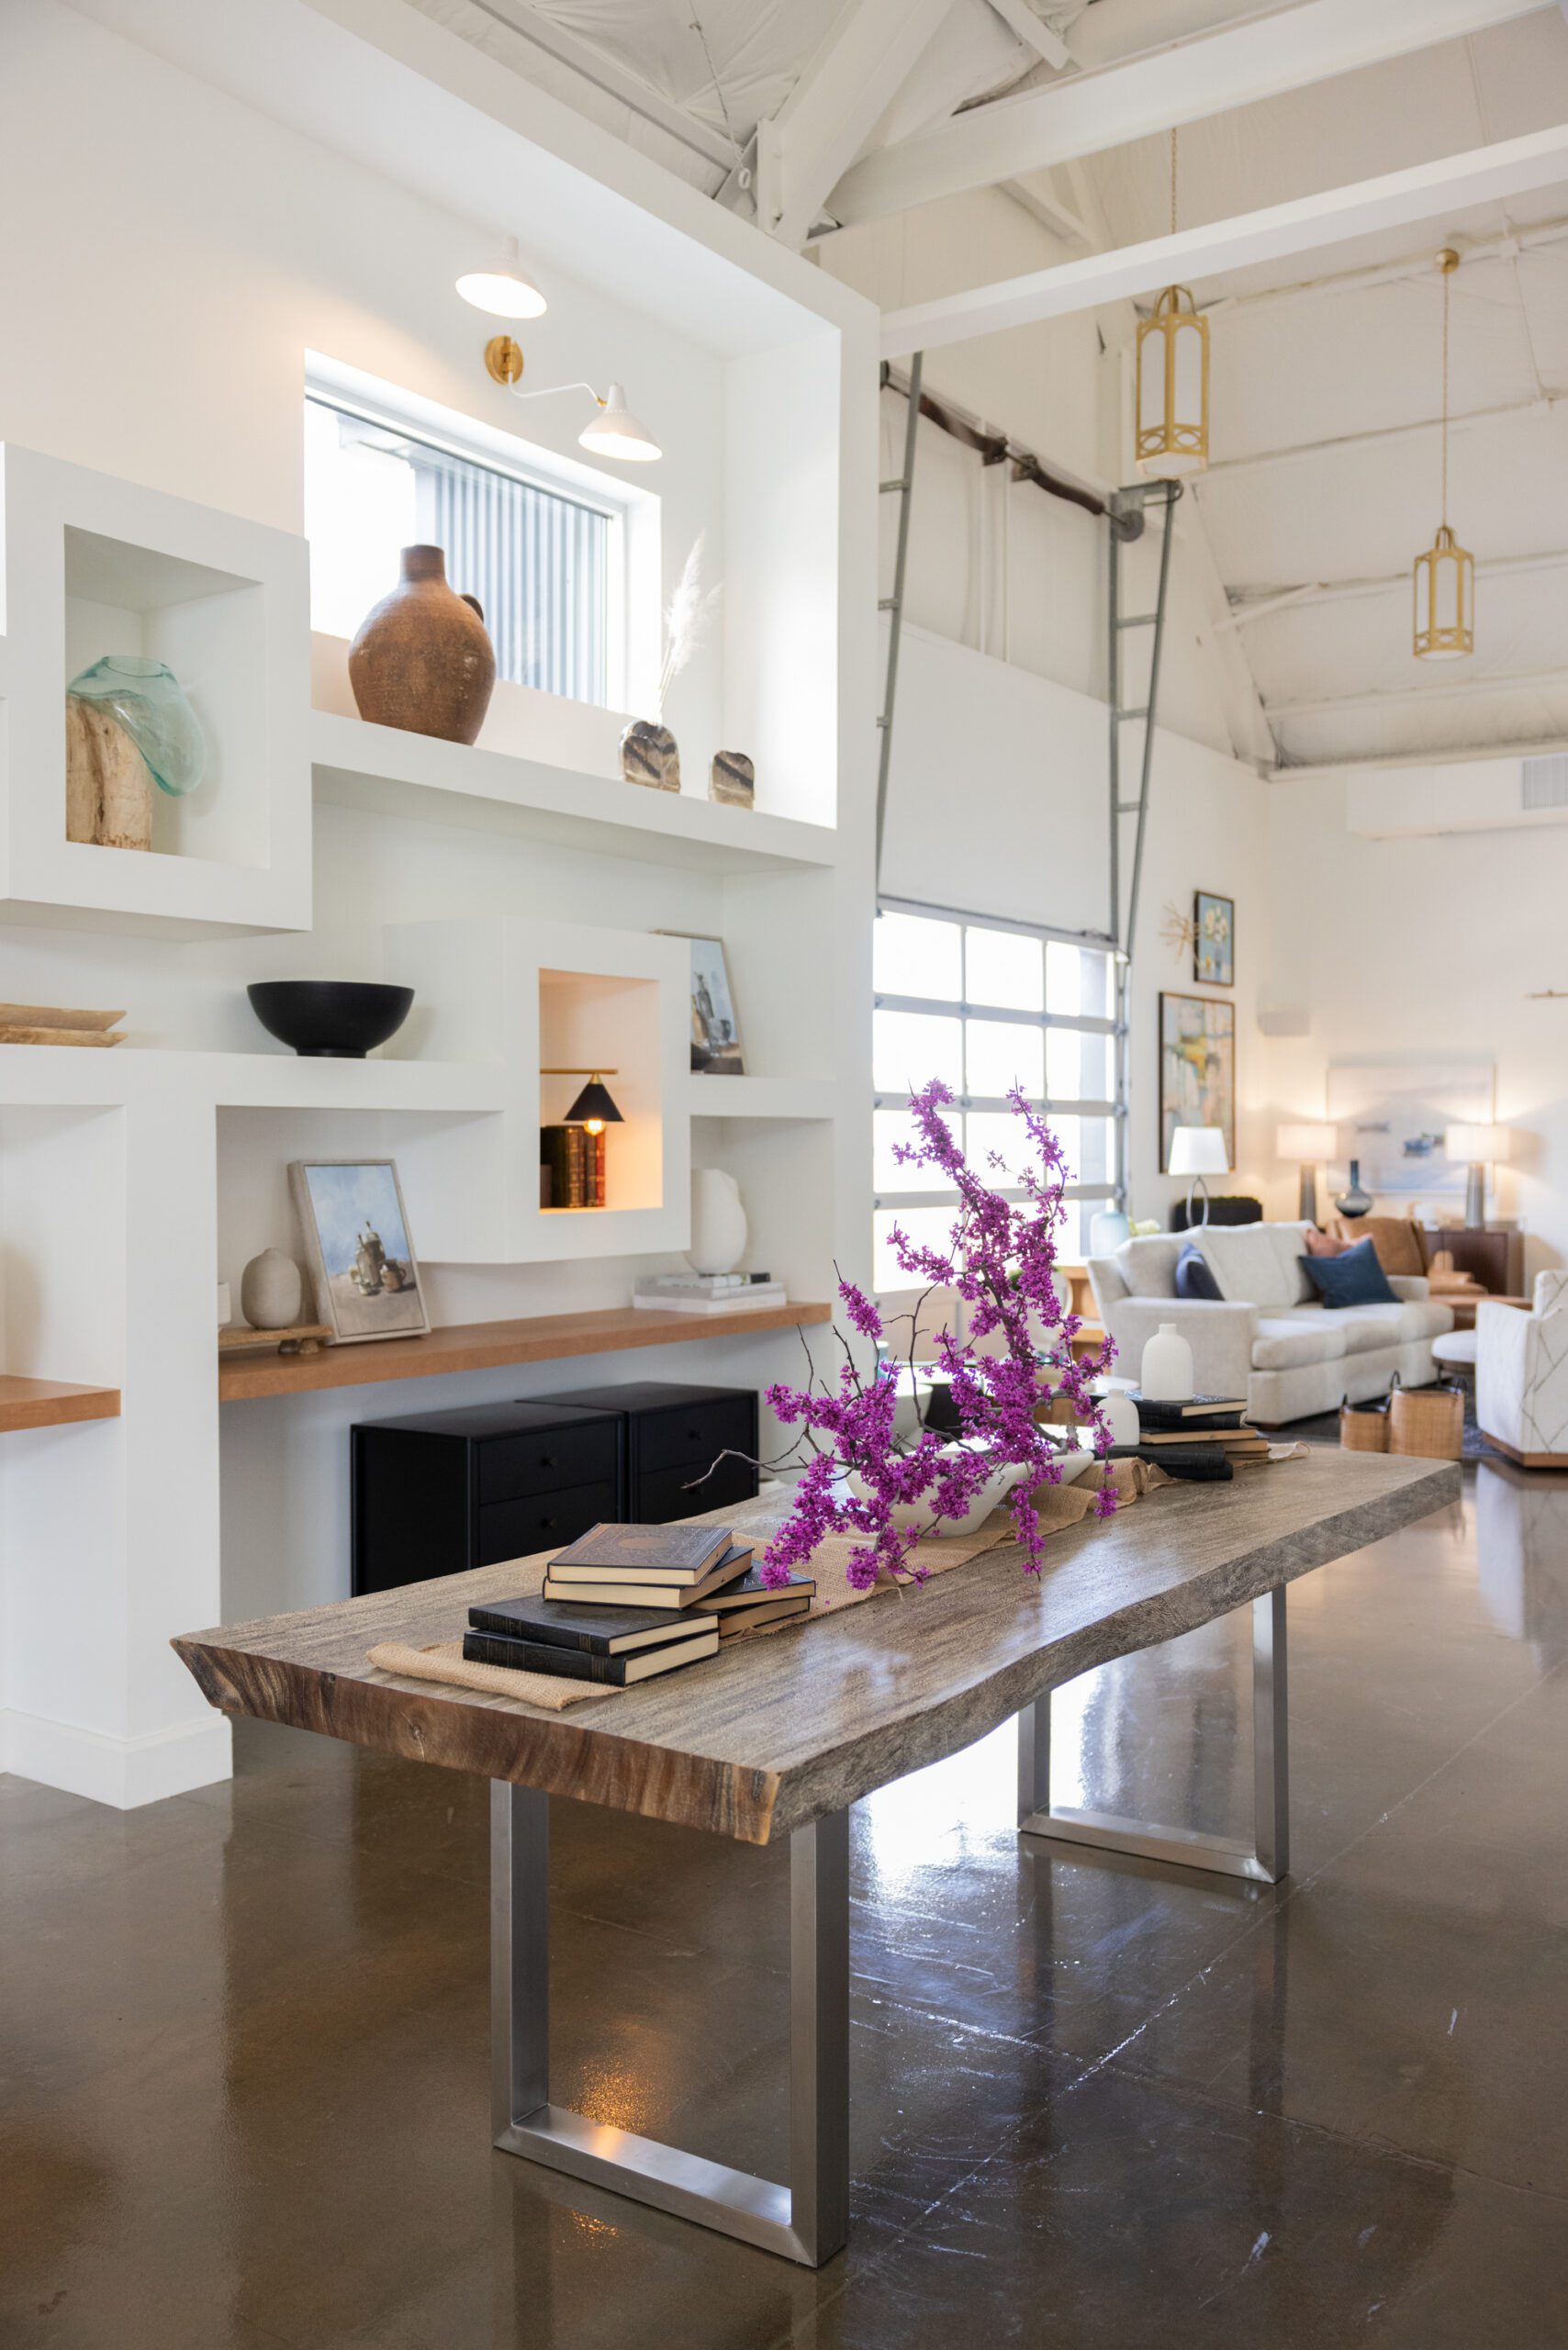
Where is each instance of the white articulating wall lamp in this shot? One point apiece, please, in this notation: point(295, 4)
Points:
point(613, 433)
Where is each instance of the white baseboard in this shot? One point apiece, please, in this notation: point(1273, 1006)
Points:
point(124, 1771)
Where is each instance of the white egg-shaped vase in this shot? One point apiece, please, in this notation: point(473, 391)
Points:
point(271, 1292)
point(718, 1222)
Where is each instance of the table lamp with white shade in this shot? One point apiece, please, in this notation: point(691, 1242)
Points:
point(1477, 1147)
point(1197, 1151)
point(1311, 1145)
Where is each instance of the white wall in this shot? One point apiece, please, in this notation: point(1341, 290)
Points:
point(1420, 947)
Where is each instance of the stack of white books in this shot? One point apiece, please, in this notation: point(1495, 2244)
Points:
point(708, 1293)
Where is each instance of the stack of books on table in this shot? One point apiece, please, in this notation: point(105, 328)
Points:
point(1204, 1438)
point(623, 1603)
point(708, 1293)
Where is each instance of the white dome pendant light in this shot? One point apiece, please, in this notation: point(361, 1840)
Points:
point(1444, 576)
point(501, 288)
point(1172, 420)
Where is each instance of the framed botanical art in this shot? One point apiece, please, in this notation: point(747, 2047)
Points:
point(715, 1029)
point(1197, 1069)
point(356, 1241)
point(1214, 940)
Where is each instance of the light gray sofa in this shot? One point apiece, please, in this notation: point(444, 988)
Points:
point(1267, 1339)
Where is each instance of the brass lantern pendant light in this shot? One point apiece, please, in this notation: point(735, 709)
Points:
point(1174, 379)
point(1444, 576)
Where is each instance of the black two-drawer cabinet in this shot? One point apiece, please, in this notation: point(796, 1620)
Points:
point(671, 1435)
point(438, 1492)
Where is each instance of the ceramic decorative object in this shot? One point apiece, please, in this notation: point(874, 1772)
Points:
point(650, 755)
point(718, 1222)
point(128, 726)
point(334, 1020)
point(423, 659)
point(1120, 1414)
point(1354, 1201)
point(1108, 1227)
point(1165, 1374)
point(989, 1496)
point(271, 1291)
point(732, 781)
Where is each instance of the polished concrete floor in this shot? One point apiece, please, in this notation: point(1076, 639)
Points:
point(242, 2033)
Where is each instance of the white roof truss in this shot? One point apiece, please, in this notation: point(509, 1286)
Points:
point(1278, 232)
point(846, 87)
point(1208, 73)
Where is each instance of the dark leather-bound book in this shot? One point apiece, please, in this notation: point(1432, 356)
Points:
point(575, 1664)
point(679, 1554)
point(752, 1619)
point(598, 1631)
point(741, 1598)
point(1214, 1411)
point(1197, 1463)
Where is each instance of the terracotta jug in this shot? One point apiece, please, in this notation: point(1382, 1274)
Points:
point(423, 659)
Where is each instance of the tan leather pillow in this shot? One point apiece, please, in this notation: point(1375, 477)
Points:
point(1324, 1244)
point(1395, 1242)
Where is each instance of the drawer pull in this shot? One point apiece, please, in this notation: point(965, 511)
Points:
point(693, 1436)
point(546, 1460)
point(546, 1524)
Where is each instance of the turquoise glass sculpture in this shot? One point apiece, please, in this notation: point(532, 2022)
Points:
point(149, 702)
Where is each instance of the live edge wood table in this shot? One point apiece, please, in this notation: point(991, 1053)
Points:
point(780, 1735)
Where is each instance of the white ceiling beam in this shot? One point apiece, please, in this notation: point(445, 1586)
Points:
point(1049, 212)
point(1415, 266)
point(1262, 603)
point(1450, 689)
point(847, 85)
point(1377, 437)
point(1207, 74)
point(1387, 762)
point(1280, 232)
point(614, 80)
point(1047, 43)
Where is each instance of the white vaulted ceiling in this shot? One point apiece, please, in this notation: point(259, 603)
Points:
point(1325, 473)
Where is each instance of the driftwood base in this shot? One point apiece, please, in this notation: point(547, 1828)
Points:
point(109, 785)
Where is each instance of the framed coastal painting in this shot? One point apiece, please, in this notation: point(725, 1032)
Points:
point(356, 1240)
point(1214, 940)
point(1393, 1114)
point(1197, 1069)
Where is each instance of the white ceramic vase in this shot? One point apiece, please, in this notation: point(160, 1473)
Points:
point(1166, 1373)
point(271, 1292)
point(718, 1222)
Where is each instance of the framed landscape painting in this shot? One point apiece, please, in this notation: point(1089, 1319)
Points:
point(1214, 940)
point(356, 1238)
point(1197, 1069)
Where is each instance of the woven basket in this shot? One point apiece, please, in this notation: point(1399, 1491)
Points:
point(1363, 1427)
point(1426, 1422)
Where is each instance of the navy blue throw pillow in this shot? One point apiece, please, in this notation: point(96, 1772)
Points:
point(1355, 1278)
point(1194, 1277)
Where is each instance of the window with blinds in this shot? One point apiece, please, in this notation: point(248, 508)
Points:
point(988, 1008)
point(538, 560)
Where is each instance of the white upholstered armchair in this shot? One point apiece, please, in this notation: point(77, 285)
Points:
point(1521, 1375)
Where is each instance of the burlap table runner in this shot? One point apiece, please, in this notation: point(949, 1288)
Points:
point(1059, 1506)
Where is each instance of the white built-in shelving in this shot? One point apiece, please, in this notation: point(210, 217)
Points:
point(758, 1097)
point(397, 774)
point(96, 566)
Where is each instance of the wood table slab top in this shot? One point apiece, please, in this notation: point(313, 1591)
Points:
point(778, 1730)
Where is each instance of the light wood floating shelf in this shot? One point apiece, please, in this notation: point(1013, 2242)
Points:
point(52, 1404)
point(487, 1346)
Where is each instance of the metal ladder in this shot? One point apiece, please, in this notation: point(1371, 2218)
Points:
point(903, 483)
point(1128, 513)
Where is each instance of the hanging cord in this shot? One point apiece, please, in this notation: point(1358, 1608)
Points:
point(1174, 179)
point(1447, 274)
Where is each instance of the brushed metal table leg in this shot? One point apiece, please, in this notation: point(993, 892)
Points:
point(806, 2221)
point(1263, 1859)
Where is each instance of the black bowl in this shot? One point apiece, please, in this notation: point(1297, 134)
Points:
point(331, 1020)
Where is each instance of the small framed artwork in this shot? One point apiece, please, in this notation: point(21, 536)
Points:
point(356, 1241)
point(1197, 1069)
point(715, 1030)
point(1214, 940)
